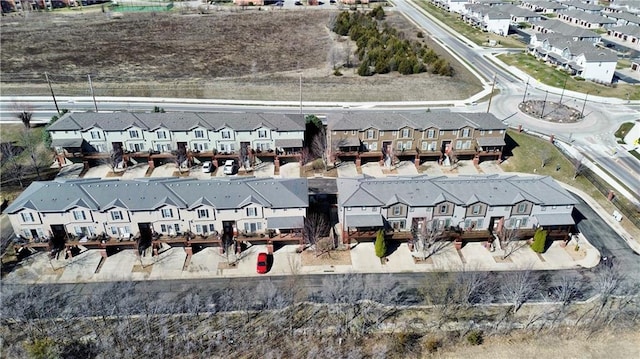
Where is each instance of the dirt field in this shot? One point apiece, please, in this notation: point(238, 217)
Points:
point(227, 54)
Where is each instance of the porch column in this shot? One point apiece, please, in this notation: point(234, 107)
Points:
point(276, 162)
point(358, 161)
point(152, 164)
point(417, 161)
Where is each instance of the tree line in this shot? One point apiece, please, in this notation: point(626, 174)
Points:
point(347, 316)
point(382, 49)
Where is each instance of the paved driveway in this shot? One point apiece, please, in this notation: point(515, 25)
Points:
point(99, 171)
point(407, 168)
point(165, 170)
point(347, 169)
point(290, 170)
point(372, 169)
point(137, 171)
point(264, 169)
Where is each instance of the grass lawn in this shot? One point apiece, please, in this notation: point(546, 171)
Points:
point(527, 153)
point(552, 77)
point(476, 35)
point(623, 130)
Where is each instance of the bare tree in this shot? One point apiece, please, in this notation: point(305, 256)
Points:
point(12, 160)
point(428, 239)
point(518, 287)
point(319, 147)
point(181, 158)
point(510, 241)
point(545, 156)
point(115, 159)
point(578, 167)
point(25, 117)
point(30, 142)
point(473, 287)
point(315, 228)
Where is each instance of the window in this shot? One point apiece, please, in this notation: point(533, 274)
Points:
point(454, 132)
point(252, 212)
point(466, 132)
point(167, 213)
point(252, 227)
point(480, 223)
point(373, 146)
point(397, 210)
point(161, 135)
point(405, 133)
point(490, 131)
point(431, 133)
point(444, 208)
point(27, 217)
point(397, 225)
point(524, 222)
point(394, 133)
point(199, 133)
point(79, 215)
point(522, 208)
point(203, 213)
point(226, 134)
point(262, 133)
point(381, 133)
point(481, 132)
point(543, 208)
point(133, 133)
point(370, 134)
point(425, 145)
point(441, 133)
point(475, 209)
point(458, 145)
point(116, 215)
point(408, 145)
point(348, 208)
point(95, 135)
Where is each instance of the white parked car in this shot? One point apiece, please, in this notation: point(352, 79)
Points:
point(207, 167)
point(229, 167)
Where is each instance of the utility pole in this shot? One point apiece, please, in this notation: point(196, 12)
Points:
point(493, 86)
point(301, 93)
point(584, 105)
point(524, 97)
point(46, 75)
point(92, 93)
point(566, 76)
point(544, 104)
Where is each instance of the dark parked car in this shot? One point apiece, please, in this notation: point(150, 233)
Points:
point(262, 265)
point(298, 3)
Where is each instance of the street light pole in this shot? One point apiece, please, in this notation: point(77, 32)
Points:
point(544, 104)
point(92, 93)
point(46, 75)
point(584, 105)
point(525, 90)
point(493, 85)
point(301, 94)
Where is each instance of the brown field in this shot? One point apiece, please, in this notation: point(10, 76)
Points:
point(227, 54)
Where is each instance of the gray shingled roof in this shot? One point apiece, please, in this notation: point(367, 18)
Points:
point(632, 30)
point(421, 191)
point(178, 121)
point(580, 5)
point(444, 120)
point(588, 17)
point(150, 194)
point(547, 4)
point(565, 29)
point(632, 18)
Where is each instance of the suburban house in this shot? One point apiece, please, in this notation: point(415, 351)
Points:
point(627, 34)
point(157, 136)
point(487, 18)
point(542, 6)
point(435, 135)
point(559, 27)
point(624, 18)
point(631, 6)
point(477, 207)
point(586, 19)
point(520, 15)
point(456, 6)
point(585, 7)
point(578, 58)
point(60, 212)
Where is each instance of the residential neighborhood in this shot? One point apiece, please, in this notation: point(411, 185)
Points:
point(319, 179)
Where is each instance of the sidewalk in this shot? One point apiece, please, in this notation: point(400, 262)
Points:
point(172, 263)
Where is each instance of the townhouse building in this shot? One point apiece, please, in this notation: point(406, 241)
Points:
point(434, 135)
point(583, 6)
point(456, 6)
point(623, 18)
point(559, 27)
point(81, 209)
point(543, 6)
point(628, 35)
point(155, 135)
point(488, 18)
point(586, 19)
point(479, 206)
point(577, 58)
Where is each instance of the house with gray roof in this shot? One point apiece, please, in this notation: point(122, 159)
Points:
point(577, 58)
point(81, 210)
point(471, 204)
point(586, 19)
point(626, 34)
point(488, 18)
point(456, 6)
point(560, 27)
point(204, 134)
point(390, 137)
point(543, 6)
point(624, 18)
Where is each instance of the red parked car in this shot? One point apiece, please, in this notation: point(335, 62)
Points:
point(262, 263)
